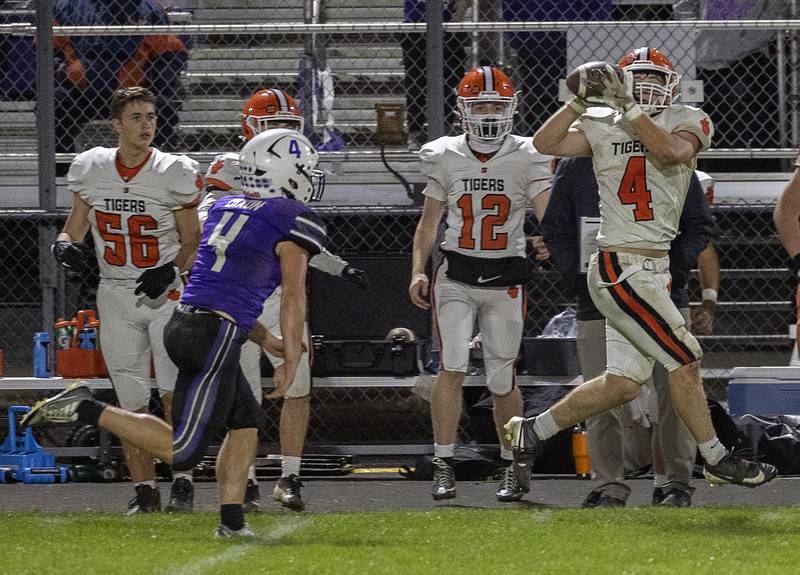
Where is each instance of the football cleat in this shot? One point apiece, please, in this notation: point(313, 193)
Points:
point(599, 499)
point(61, 408)
point(731, 469)
point(146, 500)
point(225, 531)
point(444, 480)
point(181, 496)
point(252, 498)
point(287, 492)
point(676, 498)
point(509, 486)
point(525, 446)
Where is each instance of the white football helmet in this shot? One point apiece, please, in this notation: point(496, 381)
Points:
point(281, 162)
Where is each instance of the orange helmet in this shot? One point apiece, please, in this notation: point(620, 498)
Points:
point(265, 108)
point(652, 96)
point(478, 89)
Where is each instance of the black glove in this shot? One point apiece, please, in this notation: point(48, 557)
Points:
point(355, 275)
point(155, 281)
point(794, 266)
point(69, 254)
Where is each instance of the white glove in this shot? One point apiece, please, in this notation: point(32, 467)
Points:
point(617, 90)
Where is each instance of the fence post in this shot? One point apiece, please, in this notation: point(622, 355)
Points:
point(45, 127)
point(434, 34)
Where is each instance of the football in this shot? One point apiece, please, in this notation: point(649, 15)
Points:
point(586, 81)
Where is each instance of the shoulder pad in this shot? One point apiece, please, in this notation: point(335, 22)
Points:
point(223, 173)
point(434, 149)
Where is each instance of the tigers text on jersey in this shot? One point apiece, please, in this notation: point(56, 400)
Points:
point(236, 267)
point(131, 216)
point(486, 201)
point(640, 200)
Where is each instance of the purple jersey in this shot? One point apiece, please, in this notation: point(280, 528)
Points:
point(236, 267)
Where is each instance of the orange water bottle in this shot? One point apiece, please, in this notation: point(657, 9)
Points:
point(580, 452)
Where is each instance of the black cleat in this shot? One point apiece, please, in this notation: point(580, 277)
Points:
point(599, 499)
point(509, 486)
point(146, 500)
point(287, 492)
point(658, 496)
point(526, 447)
point(731, 469)
point(252, 498)
point(676, 498)
point(181, 496)
point(444, 480)
point(61, 408)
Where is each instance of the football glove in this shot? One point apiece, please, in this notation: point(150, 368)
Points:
point(155, 281)
point(617, 91)
point(355, 275)
point(69, 254)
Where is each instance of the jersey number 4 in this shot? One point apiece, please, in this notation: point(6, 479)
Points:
point(221, 240)
point(144, 248)
point(490, 240)
point(633, 189)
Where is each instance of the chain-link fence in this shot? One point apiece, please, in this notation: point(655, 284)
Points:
point(341, 58)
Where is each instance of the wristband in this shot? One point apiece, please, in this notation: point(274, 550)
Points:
point(577, 106)
point(632, 112)
point(710, 295)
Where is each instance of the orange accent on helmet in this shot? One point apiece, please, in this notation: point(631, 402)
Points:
point(485, 79)
point(480, 86)
point(269, 105)
point(646, 55)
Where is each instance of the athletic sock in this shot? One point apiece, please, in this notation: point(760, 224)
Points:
point(290, 466)
point(444, 451)
point(150, 483)
point(231, 515)
point(182, 475)
point(659, 480)
point(251, 474)
point(544, 426)
point(506, 454)
point(89, 411)
point(712, 450)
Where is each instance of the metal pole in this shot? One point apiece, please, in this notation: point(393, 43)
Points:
point(780, 58)
point(45, 127)
point(476, 17)
point(794, 80)
point(435, 49)
point(308, 68)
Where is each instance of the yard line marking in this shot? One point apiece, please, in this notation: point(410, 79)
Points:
point(245, 546)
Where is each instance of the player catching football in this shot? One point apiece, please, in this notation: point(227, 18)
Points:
point(485, 179)
point(644, 148)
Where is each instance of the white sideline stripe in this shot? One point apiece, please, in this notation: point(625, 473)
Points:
point(247, 544)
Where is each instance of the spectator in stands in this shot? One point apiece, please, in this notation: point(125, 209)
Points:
point(611, 434)
point(415, 64)
point(541, 57)
point(92, 67)
point(738, 69)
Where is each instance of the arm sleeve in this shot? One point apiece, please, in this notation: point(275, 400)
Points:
point(78, 175)
point(541, 177)
point(187, 185)
point(697, 122)
point(327, 262)
point(433, 189)
point(558, 225)
point(432, 167)
point(308, 231)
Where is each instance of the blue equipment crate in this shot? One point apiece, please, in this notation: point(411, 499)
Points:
point(23, 460)
point(769, 390)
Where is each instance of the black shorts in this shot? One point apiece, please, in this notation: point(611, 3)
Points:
point(211, 393)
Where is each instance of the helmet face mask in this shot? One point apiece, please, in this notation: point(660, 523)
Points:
point(655, 81)
point(487, 104)
point(269, 109)
point(281, 162)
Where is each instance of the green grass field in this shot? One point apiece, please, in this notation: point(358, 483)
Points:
point(598, 541)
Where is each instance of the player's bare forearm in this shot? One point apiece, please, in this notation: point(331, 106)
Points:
point(708, 267)
point(787, 215)
point(77, 224)
point(668, 149)
point(294, 262)
point(425, 235)
point(188, 226)
point(554, 136)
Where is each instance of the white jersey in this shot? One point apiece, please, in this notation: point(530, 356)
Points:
point(222, 179)
point(131, 216)
point(486, 201)
point(640, 200)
